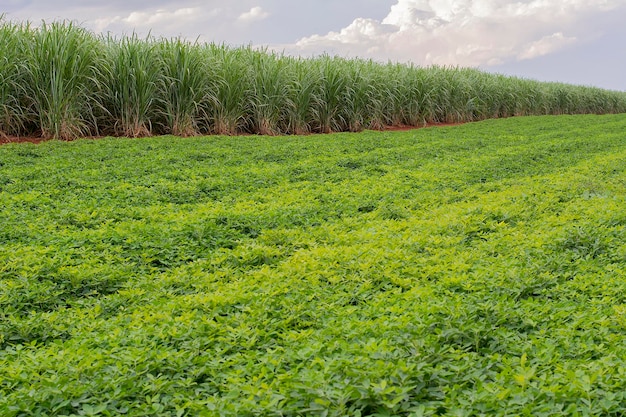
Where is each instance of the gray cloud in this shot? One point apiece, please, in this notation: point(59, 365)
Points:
point(466, 32)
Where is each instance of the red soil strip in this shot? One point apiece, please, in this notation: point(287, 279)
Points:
point(18, 139)
point(403, 128)
point(4, 140)
point(36, 140)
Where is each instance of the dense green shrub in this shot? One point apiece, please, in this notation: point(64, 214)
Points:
point(469, 270)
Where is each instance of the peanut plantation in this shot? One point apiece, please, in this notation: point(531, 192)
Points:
point(458, 271)
point(61, 81)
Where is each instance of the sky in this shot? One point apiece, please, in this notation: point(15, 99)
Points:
point(573, 41)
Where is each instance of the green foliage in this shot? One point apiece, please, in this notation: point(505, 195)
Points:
point(186, 86)
point(270, 95)
point(61, 74)
point(133, 81)
point(64, 82)
point(229, 109)
point(14, 110)
point(473, 270)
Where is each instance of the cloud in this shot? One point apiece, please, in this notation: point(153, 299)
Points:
point(159, 16)
point(546, 45)
point(146, 20)
point(254, 14)
point(464, 32)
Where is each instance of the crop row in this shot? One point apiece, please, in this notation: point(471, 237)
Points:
point(62, 81)
point(476, 270)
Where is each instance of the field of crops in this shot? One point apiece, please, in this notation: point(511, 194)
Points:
point(61, 81)
point(468, 270)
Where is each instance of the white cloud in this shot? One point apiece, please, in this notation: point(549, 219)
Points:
point(254, 14)
point(463, 32)
point(546, 45)
point(146, 20)
point(159, 16)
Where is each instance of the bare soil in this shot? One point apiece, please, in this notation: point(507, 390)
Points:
point(35, 139)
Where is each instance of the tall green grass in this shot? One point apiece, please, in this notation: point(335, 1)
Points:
point(185, 86)
point(134, 79)
point(14, 111)
point(302, 94)
point(62, 73)
point(61, 81)
point(228, 109)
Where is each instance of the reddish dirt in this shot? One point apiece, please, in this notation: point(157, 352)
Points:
point(403, 128)
point(33, 139)
point(4, 140)
point(18, 139)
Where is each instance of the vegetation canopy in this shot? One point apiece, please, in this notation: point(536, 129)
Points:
point(469, 270)
point(61, 81)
